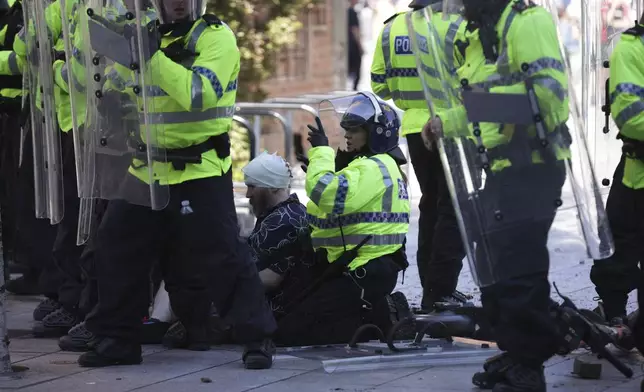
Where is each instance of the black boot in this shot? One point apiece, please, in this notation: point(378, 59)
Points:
point(111, 352)
point(56, 324)
point(437, 303)
point(45, 307)
point(78, 339)
point(259, 355)
point(494, 370)
point(521, 378)
point(399, 310)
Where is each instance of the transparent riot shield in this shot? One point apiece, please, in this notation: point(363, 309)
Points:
point(515, 155)
point(603, 31)
point(73, 73)
point(48, 165)
point(123, 132)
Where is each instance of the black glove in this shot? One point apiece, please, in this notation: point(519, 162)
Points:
point(151, 38)
point(302, 158)
point(317, 137)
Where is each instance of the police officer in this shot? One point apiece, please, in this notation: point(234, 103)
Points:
point(513, 49)
point(617, 276)
point(359, 217)
point(66, 272)
point(394, 76)
point(29, 239)
point(191, 63)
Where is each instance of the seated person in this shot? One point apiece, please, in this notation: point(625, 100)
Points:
point(363, 199)
point(280, 244)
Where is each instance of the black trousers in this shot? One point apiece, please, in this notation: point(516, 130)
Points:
point(87, 264)
point(9, 161)
point(34, 237)
point(65, 251)
point(204, 262)
point(516, 259)
point(617, 276)
point(332, 314)
point(440, 248)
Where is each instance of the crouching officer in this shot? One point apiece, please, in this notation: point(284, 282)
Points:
point(394, 76)
point(359, 217)
point(172, 82)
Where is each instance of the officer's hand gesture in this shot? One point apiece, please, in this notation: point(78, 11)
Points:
point(317, 137)
point(431, 132)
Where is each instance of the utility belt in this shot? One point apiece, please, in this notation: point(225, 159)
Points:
point(632, 148)
point(179, 157)
point(521, 147)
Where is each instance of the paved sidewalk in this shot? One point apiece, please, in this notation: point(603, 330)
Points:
point(51, 370)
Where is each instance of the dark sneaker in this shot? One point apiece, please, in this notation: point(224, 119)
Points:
point(23, 286)
point(195, 339)
point(494, 370)
point(153, 331)
point(258, 356)
point(111, 352)
point(520, 378)
point(45, 307)
point(175, 336)
point(55, 324)
point(77, 339)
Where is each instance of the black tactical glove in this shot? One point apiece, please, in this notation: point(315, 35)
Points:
point(151, 38)
point(302, 158)
point(317, 137)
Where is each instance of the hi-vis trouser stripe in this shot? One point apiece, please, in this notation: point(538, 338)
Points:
point(634, 108)
point(335, 220)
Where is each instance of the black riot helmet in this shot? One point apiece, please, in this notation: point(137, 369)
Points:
point(419, 4)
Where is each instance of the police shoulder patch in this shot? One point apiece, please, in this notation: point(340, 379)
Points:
point(392, 17)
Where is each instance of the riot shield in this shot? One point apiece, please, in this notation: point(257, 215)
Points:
point(603, 32)
point(123, 132)
point(515, 155)
point(73, 74)
point(48, 166)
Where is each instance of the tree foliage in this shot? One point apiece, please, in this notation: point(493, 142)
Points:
point(262, 27)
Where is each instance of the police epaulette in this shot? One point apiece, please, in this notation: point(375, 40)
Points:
point(211, 19)
point(390, 18)
point(520, 5)
point(636, 30)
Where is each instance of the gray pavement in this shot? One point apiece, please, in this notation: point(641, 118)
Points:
point(50, 370)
